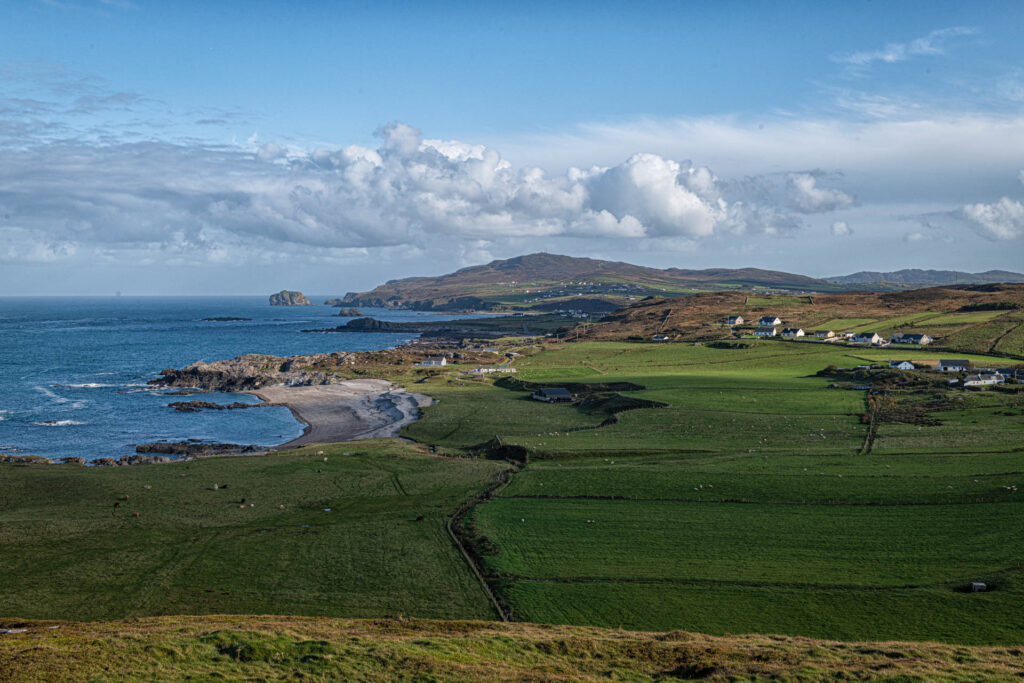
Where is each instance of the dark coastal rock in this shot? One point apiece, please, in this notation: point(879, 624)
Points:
point(104, 462)
point(288, 297)
point(197, 406)
point(72, 460)
point(252, 371)
point(349, 313)
point(26, 459)
point(144, 460)
point(192, 448)
point(223, 319)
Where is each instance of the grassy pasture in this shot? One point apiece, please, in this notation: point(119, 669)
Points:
point(971, 318)
point(745, 505)
point(1012, 342)
point(761, 544)
point(67, 552)
point(844, 324)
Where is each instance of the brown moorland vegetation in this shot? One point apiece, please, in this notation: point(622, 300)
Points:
point(969, 318)
point(273, 648)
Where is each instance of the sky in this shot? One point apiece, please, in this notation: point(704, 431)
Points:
point(244, 147)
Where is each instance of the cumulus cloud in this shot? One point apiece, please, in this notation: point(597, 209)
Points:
point(841, 229)
point(1001, 220)
point(807, 197)
point(929, 45)
point(408, 192)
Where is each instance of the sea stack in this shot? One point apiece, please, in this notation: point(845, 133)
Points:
point(289, 298)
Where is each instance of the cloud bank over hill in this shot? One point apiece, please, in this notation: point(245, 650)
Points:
point(213, 201)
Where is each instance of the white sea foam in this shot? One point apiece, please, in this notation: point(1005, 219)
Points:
point(49, 394)
point(86, 385)
point(58, 423)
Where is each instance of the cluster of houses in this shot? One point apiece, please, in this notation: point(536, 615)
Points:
point(979, 378)
point(767, 326)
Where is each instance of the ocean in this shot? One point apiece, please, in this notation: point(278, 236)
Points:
point(73, 370)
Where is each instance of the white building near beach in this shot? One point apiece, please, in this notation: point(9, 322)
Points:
point(433, 362)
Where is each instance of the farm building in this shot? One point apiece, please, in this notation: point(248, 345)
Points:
point(983, 379)
point(792, 332)
point(767, 332)
point(552, 395)
point(769, 321)
point(920, 339)
point(954, 365)
point(901, 364)
point(734, 320)
point(823, 334)
point(867, 338)
point(659, 337)
point(433, 361)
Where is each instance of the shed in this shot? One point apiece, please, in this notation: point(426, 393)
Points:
point(552, 395)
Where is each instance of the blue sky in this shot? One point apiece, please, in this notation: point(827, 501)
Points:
point(233, 147)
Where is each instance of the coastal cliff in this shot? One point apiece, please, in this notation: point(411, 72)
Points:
point(288, 297)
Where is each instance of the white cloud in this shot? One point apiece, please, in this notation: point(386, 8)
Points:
point(220, 203)
point(929, 45)
point(841, 229)
point(807, 197)
point(914, 237)
point(1001, 220)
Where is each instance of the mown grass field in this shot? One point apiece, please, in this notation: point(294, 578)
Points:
point(275, 648)
point(748, 504)
point(66, 552)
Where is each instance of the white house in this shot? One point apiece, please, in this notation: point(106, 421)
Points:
point(867, 338)
point(433, 361)
point(983, 379)
point(792, 332)
point(767, 332)
point(734, 320)
point(769, 321)
point(920, 339)
point(824, 334)
point(954, 365)
point(901, 364)
point(659, 338)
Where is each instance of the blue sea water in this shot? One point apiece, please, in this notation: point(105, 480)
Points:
point(73, 370)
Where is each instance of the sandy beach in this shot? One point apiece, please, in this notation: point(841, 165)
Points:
point(354, 409)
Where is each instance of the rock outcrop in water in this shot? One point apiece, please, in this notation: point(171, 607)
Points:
point(199, 406)
point(287, 297)
point(349, 313)
point(252, 371)
point(183, 449)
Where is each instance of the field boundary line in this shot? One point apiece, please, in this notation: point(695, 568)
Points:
point(456, 519)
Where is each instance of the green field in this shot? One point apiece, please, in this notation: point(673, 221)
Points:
point(747, 504)
point(68, 553)
point(844, 324)
point(965, 318)
point(757, 499)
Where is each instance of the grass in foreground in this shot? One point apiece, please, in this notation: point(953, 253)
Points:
point(339, 537)
point(282, 648)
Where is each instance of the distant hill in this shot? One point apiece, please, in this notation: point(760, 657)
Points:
point(546, 281)
point(913, 277)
